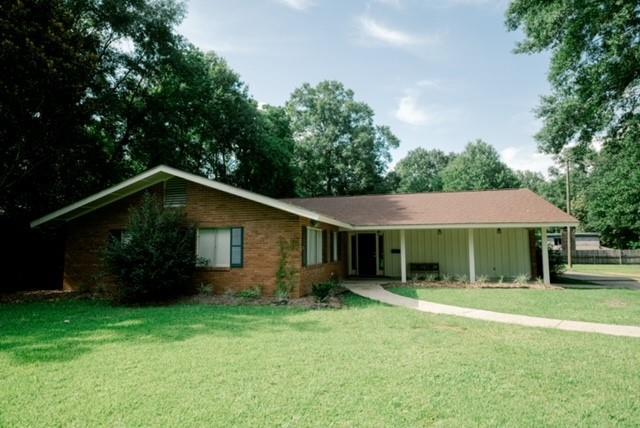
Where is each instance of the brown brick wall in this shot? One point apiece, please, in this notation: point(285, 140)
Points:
point(86, 239)
point(264, 228)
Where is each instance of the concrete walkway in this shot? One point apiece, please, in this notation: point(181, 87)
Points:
point(375, 292)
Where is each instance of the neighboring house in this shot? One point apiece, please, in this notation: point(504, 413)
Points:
point(240, 233)
point(580, 241)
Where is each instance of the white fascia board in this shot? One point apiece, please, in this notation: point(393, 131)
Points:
point(463, 226)
point(162, 173)
point(255, 197)
point(119, 190)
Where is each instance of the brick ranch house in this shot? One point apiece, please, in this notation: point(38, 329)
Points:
point(239, 233)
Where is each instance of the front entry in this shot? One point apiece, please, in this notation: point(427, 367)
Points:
point(367, 254)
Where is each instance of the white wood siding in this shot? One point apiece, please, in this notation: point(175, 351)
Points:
point(497, 254)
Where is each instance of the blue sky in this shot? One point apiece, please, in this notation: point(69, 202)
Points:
point(438, 72)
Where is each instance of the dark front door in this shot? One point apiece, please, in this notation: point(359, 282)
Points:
point(367, 254)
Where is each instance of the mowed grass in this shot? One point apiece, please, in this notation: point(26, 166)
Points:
point(600, 305)
point(90, 364)
point(622, 270)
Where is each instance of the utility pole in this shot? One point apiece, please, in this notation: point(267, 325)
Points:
point(568, 191)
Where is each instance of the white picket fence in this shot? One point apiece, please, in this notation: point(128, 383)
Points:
point(604, 257)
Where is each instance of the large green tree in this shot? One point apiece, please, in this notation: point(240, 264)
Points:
point(478, 167)
point(595, 81)
point(45, 68)
point(93, 91)
point(339, 149)
point(531, 180)
point(595, 65)
point(613, 198)
point(420, 170)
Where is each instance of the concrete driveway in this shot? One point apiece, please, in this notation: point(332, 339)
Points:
point(602, 281)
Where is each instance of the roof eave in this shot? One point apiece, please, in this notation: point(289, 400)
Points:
point(505, 225)
point(160, 174)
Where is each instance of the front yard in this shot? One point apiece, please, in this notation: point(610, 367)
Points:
point(85, 363)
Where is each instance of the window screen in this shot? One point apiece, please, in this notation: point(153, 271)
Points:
point(214, 246)
point(314, 246)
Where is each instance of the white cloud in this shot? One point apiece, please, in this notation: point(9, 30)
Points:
point(409, 111)
point(412, 112)
point(297, 4)
point(387, 35)
point(522, 158)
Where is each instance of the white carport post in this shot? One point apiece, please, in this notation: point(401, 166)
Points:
point(472, 258)
point(545, 255)
point(403, 257)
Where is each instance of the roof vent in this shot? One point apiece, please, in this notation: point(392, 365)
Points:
point(175, 193)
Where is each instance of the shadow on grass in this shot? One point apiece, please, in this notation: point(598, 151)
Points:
point(62, 331)
point(406, 292)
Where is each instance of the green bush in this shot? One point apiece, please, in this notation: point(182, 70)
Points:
point(155, 259)
point(323, 290)
point(556, 263)
point(285, 275)
point(250, 293)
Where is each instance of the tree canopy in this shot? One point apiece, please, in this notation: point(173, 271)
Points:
point(45, 70)
point(595, 82)
point(478, 167)
point(420, 170)
point(613, 198)
point(339, 149)
point(595, 65)
point(94, 91)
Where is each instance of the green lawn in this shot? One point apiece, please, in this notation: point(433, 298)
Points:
point(632, 270)
point(607, 306)
point(366, 365)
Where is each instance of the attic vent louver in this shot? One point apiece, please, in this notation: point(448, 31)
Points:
point(175, 193)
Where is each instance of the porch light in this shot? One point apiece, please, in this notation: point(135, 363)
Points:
point(499, 231)
point(439, 231)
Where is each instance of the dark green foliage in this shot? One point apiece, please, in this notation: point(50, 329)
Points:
point(323, 290)
point(155, 259)
point(339, 149)
point(420, 171)
point(45, 69)
point(478, 167)
point(557, 263)
point(613, 199)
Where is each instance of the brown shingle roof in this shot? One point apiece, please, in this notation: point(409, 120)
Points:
point(517, 206)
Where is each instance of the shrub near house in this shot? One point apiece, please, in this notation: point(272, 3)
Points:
point(154, 258)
